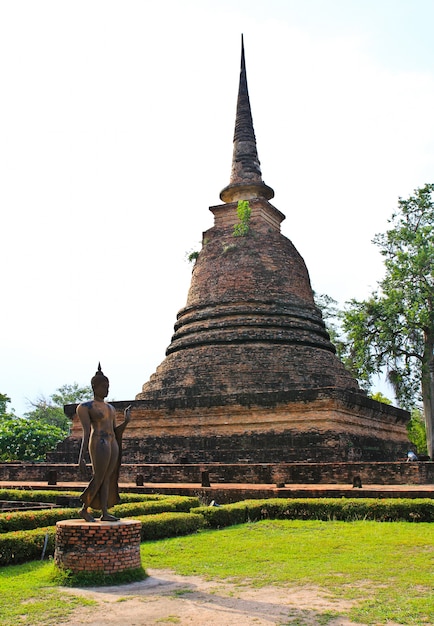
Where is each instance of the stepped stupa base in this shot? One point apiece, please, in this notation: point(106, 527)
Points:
point(316, 426)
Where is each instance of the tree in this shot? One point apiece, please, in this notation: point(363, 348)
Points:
point(379, 397)
point(27, 440)
point(50, 410)
point(417, 431)
point(71, 394)
point(4, 401)
point(393, 330)
point(332, 320)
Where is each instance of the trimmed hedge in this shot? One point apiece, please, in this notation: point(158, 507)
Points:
point(344, 509)
point(165, 525)
point(140, 497)
point(168, 504)
point(30, 495)
point(26, 545)
point(26, 520)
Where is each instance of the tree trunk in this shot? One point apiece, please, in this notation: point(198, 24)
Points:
point(428, 392)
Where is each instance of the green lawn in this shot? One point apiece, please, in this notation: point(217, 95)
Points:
point(28, 597)
point(386, 568)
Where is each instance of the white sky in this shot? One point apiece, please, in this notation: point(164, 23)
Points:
point(116, 125)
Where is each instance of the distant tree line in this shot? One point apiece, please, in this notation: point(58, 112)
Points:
point(30, 437)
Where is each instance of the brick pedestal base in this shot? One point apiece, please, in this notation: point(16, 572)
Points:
point(107, 547)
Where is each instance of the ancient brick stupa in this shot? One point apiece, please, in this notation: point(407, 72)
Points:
point(250, 374)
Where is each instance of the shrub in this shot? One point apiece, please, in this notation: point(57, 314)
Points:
point(345, 509)
point(244, 213)
point(169, 503)
point(26, 545)
point(140, 497)
point(27, 439)
point(165, 525)
point(26, 520)
point(30, 495)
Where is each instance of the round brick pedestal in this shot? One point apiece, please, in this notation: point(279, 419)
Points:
point(107, 547)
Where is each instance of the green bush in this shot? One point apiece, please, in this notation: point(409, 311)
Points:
point(165, 525)
point(26, 520)
point(30, 495)
point(221, 516)
point(169, 503)
point(18, 545)
point(26, 545)
point(140, 497)
point(24, 439)
point(345, 509)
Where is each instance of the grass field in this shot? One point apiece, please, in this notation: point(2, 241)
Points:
point(387, 569)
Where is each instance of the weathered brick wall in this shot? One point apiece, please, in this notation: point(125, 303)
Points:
point(316, 425)
point(290, 473)
point(377, 473)
point(288, 446)
point(98, 547)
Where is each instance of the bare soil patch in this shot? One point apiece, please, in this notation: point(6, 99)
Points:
point(167, 598)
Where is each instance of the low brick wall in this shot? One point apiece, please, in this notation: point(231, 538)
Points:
point(107, 547)
point(397, 473)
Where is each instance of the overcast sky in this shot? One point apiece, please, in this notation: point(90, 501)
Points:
point(116, 131)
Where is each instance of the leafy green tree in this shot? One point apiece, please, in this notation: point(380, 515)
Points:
point(417, 431)
point(27, 440)
point(379, 397)
point(393, 330)
point(332, 320)
point(50, 410)
point(333, 317)
point(4, 401)
point(71, 394)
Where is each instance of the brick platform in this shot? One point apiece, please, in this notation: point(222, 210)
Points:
point(107, 547)
point(373, 473)
point(227, 493)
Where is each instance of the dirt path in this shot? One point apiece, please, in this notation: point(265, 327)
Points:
point(166, 598)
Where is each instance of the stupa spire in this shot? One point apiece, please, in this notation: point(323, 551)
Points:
point(246, 177)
